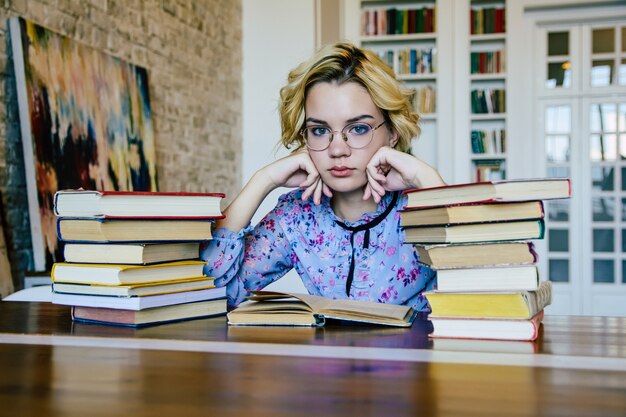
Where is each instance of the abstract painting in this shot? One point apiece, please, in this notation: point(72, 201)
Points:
point(85, 121)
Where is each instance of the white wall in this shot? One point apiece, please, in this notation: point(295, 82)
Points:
point(277, 36)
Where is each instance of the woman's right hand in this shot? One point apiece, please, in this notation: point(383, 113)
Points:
point(298, 170)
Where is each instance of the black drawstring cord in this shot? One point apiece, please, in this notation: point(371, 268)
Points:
point(366, 240)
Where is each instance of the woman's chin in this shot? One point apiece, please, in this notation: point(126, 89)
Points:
point(344, 185)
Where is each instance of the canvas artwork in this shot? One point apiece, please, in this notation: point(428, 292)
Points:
point(85, 121)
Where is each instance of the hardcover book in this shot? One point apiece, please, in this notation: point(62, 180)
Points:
point(133, 230)
point(476, 232)
point(500, 278)
point(290, 309)
point(137, 303)
point(489, 191)
point(112, 274)
point(130, 253)
point(90, 204)
point(472, 213)
point(131, 290)
point(150, 316)
point(506, 304)
point(480, 328)
point(476, 254)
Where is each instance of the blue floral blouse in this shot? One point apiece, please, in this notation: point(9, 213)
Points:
point(298, 234)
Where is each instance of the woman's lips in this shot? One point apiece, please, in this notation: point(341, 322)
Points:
point(340, 171)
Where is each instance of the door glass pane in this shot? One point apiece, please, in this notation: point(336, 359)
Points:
point(603, 271)
point(603, 147)
point(558, 240)
point(558, 172)
point(603, 40)
point(622, 118)
point(557, 148)
point(559, 74)
point(558, 119)
point(603, 240)
point(601, 72)
point(602, 178)
point(604, 117)
point(603, 209)
point(623, 266)
point(557, 210)
point(624, 240)
point(559, 270)
point(622, 72)
point(558, 43)
point(622, 147)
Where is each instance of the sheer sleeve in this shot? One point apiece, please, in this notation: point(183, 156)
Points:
point(250, 259)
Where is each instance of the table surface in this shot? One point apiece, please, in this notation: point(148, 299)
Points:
point(52, 366)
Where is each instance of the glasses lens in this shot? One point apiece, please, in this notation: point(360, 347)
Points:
point(359, 135)
point(317, 137)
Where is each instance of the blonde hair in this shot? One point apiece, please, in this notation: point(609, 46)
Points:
point(341, 63)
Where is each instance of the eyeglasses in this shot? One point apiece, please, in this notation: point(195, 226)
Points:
point(356, 135)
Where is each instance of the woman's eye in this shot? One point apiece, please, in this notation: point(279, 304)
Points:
point(359, 129)
point(318, 131)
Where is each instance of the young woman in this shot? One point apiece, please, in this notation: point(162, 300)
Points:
point(351, 124)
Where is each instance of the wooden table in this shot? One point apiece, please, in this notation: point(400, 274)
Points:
point(51, 366)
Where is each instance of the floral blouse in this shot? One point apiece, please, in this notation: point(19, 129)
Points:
point(298, 234)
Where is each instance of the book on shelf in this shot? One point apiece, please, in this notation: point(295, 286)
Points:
point(496, 278)
point(150, 316)
point(133, 230)
point(489, 191)
point(130, 253)
point(90, 204)
point(291, 309)
point(476, 254)
point(121, 274)
point(132, 290)
point(505, 304)
point(135, 302)
point(476, 232)
point(479, 328)
point(472, 213)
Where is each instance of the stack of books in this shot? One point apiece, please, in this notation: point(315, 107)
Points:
point(478, 238)
point(131, 258)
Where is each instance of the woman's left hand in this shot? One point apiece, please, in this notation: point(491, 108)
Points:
point(392, 170)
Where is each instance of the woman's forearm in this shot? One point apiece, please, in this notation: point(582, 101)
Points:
point(242, 208)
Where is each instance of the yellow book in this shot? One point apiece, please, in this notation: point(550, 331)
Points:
point(514, 304)
point(118, 274)
point(138, 290)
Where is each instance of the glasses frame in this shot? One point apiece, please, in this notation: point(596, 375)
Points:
point(343, 135)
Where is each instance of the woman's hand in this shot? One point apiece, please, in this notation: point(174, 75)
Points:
point(298, 170)
point(392, 170)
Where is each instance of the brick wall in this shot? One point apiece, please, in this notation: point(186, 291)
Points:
point(192, 51)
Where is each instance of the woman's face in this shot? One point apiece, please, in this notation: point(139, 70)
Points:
point(333, 106)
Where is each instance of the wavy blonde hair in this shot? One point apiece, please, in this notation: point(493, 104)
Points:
point(342, 63)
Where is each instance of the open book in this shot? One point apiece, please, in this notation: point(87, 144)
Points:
point(290, 309)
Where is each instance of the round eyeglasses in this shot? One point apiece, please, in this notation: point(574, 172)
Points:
point(356, 135)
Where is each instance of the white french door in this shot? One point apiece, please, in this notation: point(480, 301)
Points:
point(580, 132)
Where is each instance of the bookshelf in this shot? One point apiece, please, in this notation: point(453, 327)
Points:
point(487, 90)
point(411, 45)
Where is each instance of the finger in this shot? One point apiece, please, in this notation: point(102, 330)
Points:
point(317, 195)
point(326, 190)
point(375, 185)
point(309, 180)
point(309, 191)
point(376, 173)
point(367, 193)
